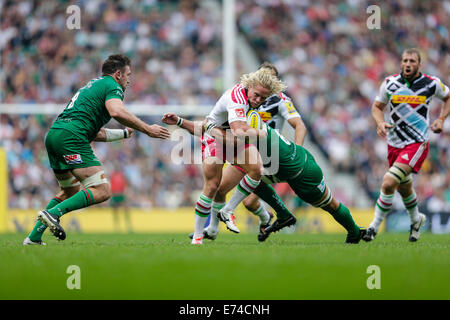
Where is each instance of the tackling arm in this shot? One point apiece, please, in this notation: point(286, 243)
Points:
point(117, 110)
point(108, 135)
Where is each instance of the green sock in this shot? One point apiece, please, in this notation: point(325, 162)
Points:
point(39, 227)
point(268, 194)
point(81, 199)
point(343, 216)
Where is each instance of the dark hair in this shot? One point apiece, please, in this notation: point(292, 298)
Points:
point(115, 62)
point(413, 51)
point(270, 66)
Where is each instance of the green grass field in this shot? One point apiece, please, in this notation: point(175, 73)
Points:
point(285, 267)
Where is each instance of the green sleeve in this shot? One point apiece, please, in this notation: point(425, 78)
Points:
point(114, 91)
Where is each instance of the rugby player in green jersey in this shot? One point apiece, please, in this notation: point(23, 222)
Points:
point(296, 166)
point(68, 144)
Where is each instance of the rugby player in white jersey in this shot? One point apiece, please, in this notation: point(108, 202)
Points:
point(275, 111)
point(408, 96)
point(230, 113)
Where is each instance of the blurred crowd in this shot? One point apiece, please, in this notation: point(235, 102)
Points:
point(333, 65)
point(175, 47)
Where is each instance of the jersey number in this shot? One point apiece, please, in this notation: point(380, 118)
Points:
point(72, 101)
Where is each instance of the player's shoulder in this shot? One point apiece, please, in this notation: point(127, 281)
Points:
point(392, 77)
point(109, 82)
point(238, 94)
point(434, 82)
point(431, 78)
point(275, 99)
point(283, 96)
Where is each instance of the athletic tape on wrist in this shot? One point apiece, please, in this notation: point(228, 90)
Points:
point(209, 127)
point(116, 134)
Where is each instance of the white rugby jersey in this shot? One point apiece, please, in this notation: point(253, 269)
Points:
point(409, 107)
point(232, 106)
point(277, 109)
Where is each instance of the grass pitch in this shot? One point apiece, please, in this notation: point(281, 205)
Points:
point(167, 266)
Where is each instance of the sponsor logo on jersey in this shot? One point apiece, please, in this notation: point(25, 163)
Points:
point(290, 107)
point(413, 101)
point(240, 112)
point(322, 185)
point(73, 159)
point(442, 86)
point(265, 116)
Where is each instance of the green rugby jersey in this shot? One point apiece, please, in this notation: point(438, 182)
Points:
point(86, 114)
point(291, 158)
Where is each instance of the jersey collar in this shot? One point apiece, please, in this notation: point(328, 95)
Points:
point(408, 83)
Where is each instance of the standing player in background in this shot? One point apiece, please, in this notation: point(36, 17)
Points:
point(277, 110)
point(408, 95)
point(119, 200)
point(68, 144)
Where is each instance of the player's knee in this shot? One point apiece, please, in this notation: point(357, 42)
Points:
point(211, 187)
point(255, 171)
point(107, 192)
point(102, 193)
point(389, 184)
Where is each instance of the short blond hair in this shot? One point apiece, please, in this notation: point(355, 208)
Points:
point(265, 78)
point(413, 51)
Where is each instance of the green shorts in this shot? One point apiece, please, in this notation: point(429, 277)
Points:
point(309, 185)
point(68, 151)
point(117, 199)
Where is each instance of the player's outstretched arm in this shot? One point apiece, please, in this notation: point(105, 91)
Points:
point(193, 127)
point(117, 110)
point(438, 125)
point(198, 127)
point(108, 135)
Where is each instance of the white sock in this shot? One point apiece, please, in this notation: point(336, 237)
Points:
point(262, 213)
point(384, 204)
point(213, 227)
point(243, 189)
point(202, 211)
point(410, 203)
